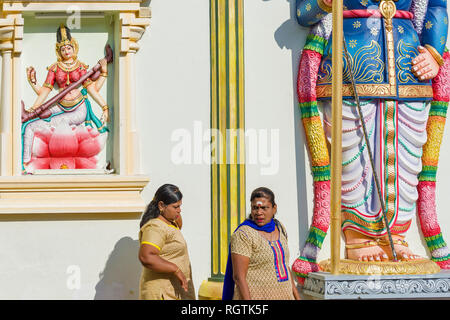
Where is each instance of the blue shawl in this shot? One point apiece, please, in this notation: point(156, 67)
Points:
point(228, 283)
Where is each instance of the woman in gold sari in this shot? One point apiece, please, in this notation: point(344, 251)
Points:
point(163, 252)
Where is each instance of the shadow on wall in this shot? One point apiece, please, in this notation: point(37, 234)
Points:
point(120, 278)
point(291, 36)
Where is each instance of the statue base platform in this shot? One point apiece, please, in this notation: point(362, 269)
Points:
point(325, 286)
point(422, 266)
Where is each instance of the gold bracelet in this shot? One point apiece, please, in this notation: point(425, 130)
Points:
point(104, 74)
point(48, 85)
point(178, 269)
point(105, 107)
point(436, 55)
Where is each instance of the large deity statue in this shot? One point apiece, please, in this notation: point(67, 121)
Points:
point(70, 114)
point(398, 65)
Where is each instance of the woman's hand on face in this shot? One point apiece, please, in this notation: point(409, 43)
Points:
point(180, 275)
point(424, 66)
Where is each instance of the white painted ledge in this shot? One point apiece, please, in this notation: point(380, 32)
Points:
point(48, 194)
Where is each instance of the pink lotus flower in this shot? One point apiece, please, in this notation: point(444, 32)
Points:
point(66, 147)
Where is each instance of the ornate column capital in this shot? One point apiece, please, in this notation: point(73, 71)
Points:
point(11, 34)
point(132, 27)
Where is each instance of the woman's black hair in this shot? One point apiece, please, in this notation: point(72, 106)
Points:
point(263, 192)
point(168, 194)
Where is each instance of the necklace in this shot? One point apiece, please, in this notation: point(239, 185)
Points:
point(69, 67)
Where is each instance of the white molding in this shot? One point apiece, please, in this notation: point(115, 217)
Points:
point(77, 194)
point(61, 6)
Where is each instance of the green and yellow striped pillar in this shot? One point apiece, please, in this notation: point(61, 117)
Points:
point(227, 138)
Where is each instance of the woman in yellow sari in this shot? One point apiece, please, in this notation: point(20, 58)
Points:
point(163, 252)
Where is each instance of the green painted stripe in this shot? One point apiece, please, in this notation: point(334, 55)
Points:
point(320, 169)
point(301, 275)
point(218, 144)
point(377, 221)
point(321, 173)
point(307, 259)
point(424, 105)
point(227, 117)
point(211, 123)
point(315, 43)
point(372, 230)
point(438, 108)
point(407, 209)
point(308, 109)
point(447, 257)
point(403, 144)
point(356, 156)
point(322, 178)
point(428, 173)
point(238, 115)
point(427, 178)
point(435, 242)
point(366, 197)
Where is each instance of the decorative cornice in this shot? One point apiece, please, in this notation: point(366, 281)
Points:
point(134, 19)
point(132, 27)
point(61, 5)
point(71, 1)
point(11, 34)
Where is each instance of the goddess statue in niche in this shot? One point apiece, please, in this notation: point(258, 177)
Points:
point(399, 65)
point(65, 134)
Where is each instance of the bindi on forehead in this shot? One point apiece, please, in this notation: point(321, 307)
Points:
point(260, 200)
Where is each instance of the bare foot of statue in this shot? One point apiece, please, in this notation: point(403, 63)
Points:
point(363, 248)
point(402, 250)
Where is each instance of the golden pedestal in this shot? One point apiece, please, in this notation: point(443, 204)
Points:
point(422, 266)
point(210, 290)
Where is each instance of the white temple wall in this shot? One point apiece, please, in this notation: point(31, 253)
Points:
point(272, 45)
point(174, 103)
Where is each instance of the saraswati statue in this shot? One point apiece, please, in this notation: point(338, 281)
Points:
point(396, 72)
point(64, 132)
